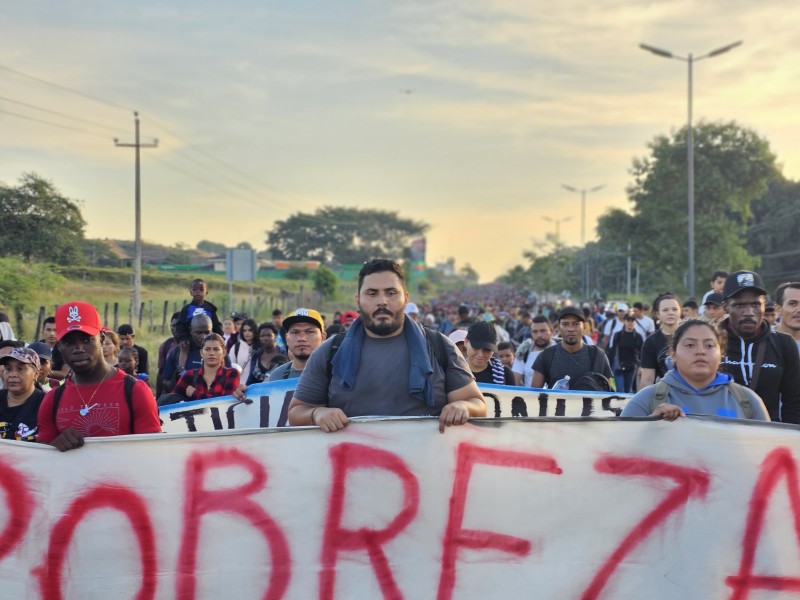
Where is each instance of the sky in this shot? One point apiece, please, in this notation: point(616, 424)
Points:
point(467, 115)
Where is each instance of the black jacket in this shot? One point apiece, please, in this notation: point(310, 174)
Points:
point(184, 325)
point(779, 380)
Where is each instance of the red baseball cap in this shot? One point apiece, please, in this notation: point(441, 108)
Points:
point(77, 316)
point(349, 315)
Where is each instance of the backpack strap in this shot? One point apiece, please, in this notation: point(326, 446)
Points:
point(435, 345)
point(524, 350)
point(130, 381)
point(739, 392)
point(597, 359)
point(762, 350)
point(661, 391)
point(57, 399)
point(337, 341)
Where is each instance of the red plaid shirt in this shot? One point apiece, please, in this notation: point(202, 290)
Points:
point(224, 384)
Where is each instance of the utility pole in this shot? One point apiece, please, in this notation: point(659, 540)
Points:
point(137, 261)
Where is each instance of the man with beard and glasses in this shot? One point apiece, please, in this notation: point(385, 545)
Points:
point(386, 364)
point(572, 356)
point(766, 361)
point(541, 338)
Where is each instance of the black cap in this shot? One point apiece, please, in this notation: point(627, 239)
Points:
point(769, 307)
point(713, 298)
point(572, 311)
point(125, 329)
point(482, 335)
point(740, 281)
point(43, 350)
point(239, 316)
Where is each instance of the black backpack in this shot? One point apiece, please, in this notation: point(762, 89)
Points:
point(591, 381)
point(130, 381)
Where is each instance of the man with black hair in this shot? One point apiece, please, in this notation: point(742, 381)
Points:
point(717, 283)
point(164, 349)
point(541, 337)
point(186, 355)
point(570, 357)
point(644, 324)
point(766, 361)
point(386, 364)
point(127, 339)
point(690, 310)
point(58, 370)
point(787, 305)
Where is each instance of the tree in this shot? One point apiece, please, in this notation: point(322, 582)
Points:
point(342, 235)
point(212, 247)
point(772, 235)
point(732, 167)
point(39, 223)
point(325, 282)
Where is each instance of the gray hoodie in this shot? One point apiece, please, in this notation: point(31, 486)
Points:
point(715, 399)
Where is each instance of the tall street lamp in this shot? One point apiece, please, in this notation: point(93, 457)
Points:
point(558, 223)
point(690, 60)
point(583, 193)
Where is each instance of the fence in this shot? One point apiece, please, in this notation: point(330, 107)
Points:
point(154, 316)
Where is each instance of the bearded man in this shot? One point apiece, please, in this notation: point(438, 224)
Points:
point(386, 364)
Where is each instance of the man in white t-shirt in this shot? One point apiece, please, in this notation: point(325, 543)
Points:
point(644, 324)
point(541, 338)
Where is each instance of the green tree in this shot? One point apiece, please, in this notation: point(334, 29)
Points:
point(772, 234)
point(39, 223)
point(297, 273)
point(325, 282)
point(342, 235)
point(732, 167)
point(212, 247)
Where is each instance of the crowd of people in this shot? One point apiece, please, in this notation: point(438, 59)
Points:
point(733, 354)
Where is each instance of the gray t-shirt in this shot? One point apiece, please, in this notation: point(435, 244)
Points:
point(574, 364)
point(381, 386)
point(284, 371)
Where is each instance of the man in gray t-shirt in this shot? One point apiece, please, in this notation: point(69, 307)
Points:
point(570, 357)
point(385, 365)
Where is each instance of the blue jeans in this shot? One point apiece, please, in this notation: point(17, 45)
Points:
point(624, 380)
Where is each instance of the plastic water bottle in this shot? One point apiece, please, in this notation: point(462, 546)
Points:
point(562, 384)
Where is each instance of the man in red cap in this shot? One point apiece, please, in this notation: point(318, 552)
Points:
point(97, 399)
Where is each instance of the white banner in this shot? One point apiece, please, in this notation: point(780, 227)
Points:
point(540, 508)
point(267, 405)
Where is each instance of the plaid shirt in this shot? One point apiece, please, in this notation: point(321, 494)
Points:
point(224, 384)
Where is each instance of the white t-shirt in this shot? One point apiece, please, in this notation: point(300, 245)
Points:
point(526, 369)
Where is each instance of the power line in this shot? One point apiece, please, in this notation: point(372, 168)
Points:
point(61, 126)
point(64, 88)
point(60, 114)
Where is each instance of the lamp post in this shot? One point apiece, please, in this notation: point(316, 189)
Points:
point(583, 193)
point(558, 223)
point(690, 60)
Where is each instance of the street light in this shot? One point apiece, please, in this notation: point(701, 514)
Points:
point(690, 60)
point(583, 193)
point(558, 223)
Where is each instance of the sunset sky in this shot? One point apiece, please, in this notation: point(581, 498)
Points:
point(467, 115)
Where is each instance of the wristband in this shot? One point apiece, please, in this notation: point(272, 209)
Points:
point(312, 414)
